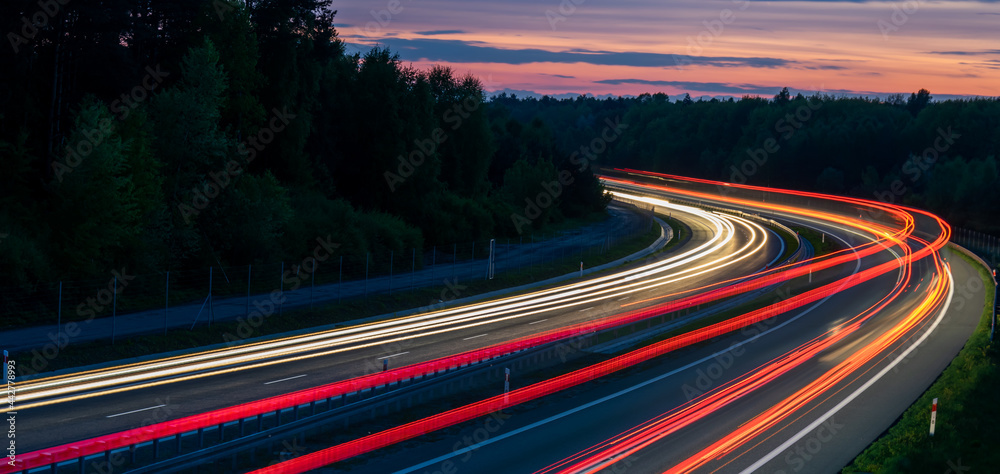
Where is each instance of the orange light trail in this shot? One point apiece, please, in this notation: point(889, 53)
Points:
point(616, 448)
point(896, 238)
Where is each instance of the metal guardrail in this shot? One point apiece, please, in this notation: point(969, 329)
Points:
point(993, 275)
point(537, 358)
point(196, 425)
point(236, 417)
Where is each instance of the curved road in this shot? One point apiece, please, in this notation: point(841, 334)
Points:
point(93, 403)
point(682, 414)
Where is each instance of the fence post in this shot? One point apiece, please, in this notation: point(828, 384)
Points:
point(249, 279)
point(114, 310)
point(520, 260)
point(210, 313)
point(59, 310)
point(166, 303)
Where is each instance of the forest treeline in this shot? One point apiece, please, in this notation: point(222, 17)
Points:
point(174, 134)
point(185, 133)
point(938, 155)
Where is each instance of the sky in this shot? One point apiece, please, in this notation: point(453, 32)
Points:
point(716, 48)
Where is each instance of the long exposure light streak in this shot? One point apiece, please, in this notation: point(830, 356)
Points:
point(393, 435)
point(605, 454)
point(205, 364)
point(883, 237)
point(625, 444)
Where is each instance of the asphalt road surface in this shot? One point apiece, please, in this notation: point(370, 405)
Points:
point(822, 435)
point(139, 405)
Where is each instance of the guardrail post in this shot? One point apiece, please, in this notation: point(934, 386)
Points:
point(249, 279)
point(201, 438)
point(59, 310)
point(179, 443)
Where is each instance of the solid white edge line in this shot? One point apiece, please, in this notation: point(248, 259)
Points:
point(819, 421)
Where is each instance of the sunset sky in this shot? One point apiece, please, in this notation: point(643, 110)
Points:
point(705, 48)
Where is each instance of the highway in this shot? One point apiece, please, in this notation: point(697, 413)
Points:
point(801, 392)
point(119, 397)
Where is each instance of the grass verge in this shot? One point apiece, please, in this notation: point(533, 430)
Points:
point(791, 243)
point(967, 413)
point(821, 245)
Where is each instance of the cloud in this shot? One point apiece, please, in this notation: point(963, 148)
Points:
point(439, 32)
point(827, 67)
point(458, 51)
point(713, 87)
point(988, 64)
point(966, 53)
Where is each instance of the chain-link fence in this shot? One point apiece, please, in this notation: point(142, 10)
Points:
point(984, 245)
point(160, 301)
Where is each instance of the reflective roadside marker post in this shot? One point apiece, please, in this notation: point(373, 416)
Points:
point(385, 365)
point(581, 269)
point(506, 386)
point(933, 415)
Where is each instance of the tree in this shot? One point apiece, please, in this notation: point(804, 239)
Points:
point(231, 31)
point(95, 206)
point(468, 146)
point(918, 101)
point(193, 148)
point(783, 97)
